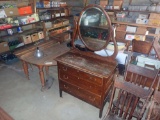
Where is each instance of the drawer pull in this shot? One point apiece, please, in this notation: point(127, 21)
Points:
point(93, 99)
point(90, 86)
point(65, 68)
point(78, 78)
point(65, 77)
point(66, 87)
point(78, 88)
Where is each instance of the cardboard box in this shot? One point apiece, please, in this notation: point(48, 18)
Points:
point(41, 35)
point(11, 11)
point(154, 16)
point(140, 37)
point(34, 37)
point(141, 30)
point(129, 37)
point(66, 28)
point(131, 29)
point(141, 21)
point(57, 23)
point(121, 28)
point(65, 22)
point(55, 32)
point(4, 47)
point(143, 16)
point(155, 22)
point(120, 35)
point(117, 4)
point(103, 3)
point(26, 39)
point(25, 10)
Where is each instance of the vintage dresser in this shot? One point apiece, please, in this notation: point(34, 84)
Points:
point(84, 74)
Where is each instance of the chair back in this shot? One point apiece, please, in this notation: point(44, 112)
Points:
point(141, 76)
point(127, 107)
point(143, 47)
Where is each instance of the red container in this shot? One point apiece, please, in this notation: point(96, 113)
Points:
point(25, 10)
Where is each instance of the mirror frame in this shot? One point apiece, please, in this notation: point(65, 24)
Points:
point(109, 37)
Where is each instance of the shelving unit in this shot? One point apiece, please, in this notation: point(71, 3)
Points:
point(53, 9)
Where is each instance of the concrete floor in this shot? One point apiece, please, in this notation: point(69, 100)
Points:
point(23, 99)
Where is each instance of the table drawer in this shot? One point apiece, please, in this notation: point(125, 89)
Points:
point(80, 82)
point(87, 76)
point(80, 93)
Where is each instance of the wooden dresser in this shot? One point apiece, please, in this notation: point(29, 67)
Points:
point(86, 77)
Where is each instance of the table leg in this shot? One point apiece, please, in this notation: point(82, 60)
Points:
point(25, 68)
point(47, 70)
point(41, 73)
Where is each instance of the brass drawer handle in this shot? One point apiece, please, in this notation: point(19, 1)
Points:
point(65, 68)
point(93, 99)
point(66, 87)
point(65, 77)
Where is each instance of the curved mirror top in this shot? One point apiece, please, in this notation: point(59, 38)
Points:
point(94, 28)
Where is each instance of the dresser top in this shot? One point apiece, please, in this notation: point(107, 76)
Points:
point(87, 63)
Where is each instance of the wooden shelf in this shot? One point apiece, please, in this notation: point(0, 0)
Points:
point(16, 16)
point(26, 31)
point(130, 11)
point(21, 25)
point(52, 8)
point(135, 24)
point(66, 17)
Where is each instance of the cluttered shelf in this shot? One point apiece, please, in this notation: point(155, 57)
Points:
point(135, 24)
point(21, 25)
point(121, 10)
point(24, 32)
point(52, 19)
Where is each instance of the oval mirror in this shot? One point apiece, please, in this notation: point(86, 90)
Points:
point(94, 27)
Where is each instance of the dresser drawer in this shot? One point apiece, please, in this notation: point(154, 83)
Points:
point(80, 83)
point(83, 75)
point(80, 93)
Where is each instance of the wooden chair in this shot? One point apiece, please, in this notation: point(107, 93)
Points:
point(154, 108)
point(142, 77)
point(125, 110)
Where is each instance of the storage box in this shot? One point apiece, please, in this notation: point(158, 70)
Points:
point(26, 39)
point(34, 37)
point(25, 10)
point(131, 29)
point(140, 37)
point(117, 4)
point(48, 24)
point(141, 30)
point(55, 32)
point(103, 3)
point(4, 47)
point(141, 21)
point(57, 23)
point(41, 35)
point(121, 28)
point(155, 22)
point(66, 28)
point(143, 16)
point(65, 22)
point(11, 11)
point(154, 16)
point(129, 37)
point(120, 35)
